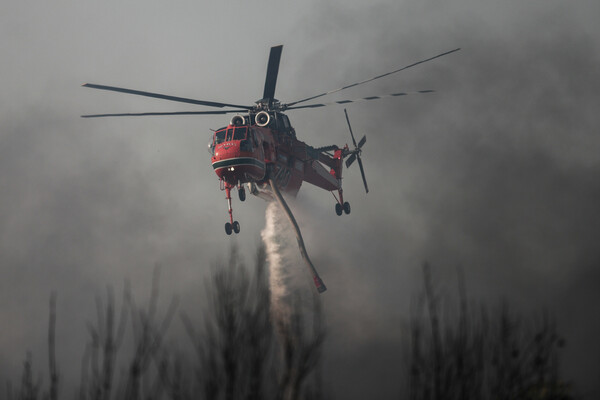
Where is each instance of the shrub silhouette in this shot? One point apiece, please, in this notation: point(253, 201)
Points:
point(481, 354)
point(246, 353)
point(239, 352)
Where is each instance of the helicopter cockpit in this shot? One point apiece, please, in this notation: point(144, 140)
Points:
point(228, 134)
point(233, 133)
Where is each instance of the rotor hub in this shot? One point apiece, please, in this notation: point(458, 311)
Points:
point(268, 105)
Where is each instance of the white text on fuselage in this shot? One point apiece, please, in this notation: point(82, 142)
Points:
point(227, 145)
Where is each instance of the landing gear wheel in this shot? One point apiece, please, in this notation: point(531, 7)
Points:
point(228, 228)
point(338, 208)
point(347, 208)
point(236, 227)
point(242, 194)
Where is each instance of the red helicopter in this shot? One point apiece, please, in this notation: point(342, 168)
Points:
point(258, 149)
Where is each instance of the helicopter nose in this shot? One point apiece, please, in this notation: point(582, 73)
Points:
point(227, 150)
point(234, 165)
point(224, 160)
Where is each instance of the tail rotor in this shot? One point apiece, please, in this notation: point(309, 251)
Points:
point(355, 154)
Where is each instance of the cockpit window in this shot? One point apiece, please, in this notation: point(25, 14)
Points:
point(240, 133)
point(231, 134)
point(220, 137)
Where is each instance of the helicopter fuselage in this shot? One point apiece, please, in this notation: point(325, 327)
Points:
point(252, 154)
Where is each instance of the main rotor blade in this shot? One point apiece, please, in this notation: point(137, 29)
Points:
point(163, 113)
point(362, 172)
point(165, 97)
point(361, 99)
point(272, 71)
point(372, 79)
point(351, 134)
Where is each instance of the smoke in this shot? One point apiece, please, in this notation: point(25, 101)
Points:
point(282, 257)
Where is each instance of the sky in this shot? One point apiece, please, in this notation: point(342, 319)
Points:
point(496, 172)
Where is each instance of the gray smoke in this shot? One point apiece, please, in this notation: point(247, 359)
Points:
point(497, 171)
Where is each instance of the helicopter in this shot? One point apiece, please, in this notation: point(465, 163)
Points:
point(259, 151)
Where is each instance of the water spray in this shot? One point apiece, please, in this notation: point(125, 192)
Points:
point(279, 247)
point(315, 275)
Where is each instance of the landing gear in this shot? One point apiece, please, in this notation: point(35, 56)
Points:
point(229, 227)
point(232, 226)
point(347, 208)
point(341, 206)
